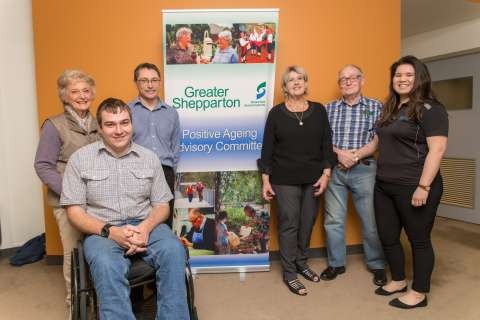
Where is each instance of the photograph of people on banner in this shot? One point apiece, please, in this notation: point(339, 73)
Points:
point(218, 213)
point(220, 43)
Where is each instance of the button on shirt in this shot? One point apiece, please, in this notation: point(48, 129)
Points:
point(353, 126)
point(157, 130)
point(114, 189)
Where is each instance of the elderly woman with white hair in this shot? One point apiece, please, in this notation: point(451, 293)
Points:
point(182, 52)
point(296, 161)
point(225, 52)
point(61, 136)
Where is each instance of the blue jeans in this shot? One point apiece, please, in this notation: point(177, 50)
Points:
point(360, 180)
point(109, 268)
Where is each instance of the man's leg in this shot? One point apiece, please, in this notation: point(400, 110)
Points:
point(109, 268)
point(362, 182)
point(166, 254)
point(69, 236)
point(170, 177)
point(336, 197)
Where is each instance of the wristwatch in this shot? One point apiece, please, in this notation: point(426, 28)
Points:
point(105, 230)
point(426, 188)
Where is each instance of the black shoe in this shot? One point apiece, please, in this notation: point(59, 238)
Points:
point(379, 277)
point(399, 304)
point(382, 292)
point(331, 273)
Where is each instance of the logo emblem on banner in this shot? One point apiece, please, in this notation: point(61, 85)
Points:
point(261, 90)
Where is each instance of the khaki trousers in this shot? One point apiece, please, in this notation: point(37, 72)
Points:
point(69, 236)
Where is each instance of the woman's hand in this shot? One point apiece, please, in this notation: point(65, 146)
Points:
point(321, 185)
point(419, 197)
point(267, 190)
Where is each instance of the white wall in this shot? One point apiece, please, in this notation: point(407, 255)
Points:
point(21, 204)
point(452, 39)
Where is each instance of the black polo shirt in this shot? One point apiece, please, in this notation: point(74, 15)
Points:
point(403, 144)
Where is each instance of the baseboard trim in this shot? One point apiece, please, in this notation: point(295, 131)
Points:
point(321, 252)
point(53, 259)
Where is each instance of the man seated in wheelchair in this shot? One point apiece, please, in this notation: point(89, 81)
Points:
point(116, 193)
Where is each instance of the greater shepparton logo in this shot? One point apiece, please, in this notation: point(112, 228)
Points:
point(261, 90)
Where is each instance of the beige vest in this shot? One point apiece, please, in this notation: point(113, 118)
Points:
point(73, 137)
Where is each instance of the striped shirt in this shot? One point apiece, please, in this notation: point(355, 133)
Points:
point(353, 126)
point(114, 189)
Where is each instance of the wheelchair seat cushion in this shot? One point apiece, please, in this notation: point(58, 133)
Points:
point(140, 271)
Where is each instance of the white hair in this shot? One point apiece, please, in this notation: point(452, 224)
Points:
point(226, 34)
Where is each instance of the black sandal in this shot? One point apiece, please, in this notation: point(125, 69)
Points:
point(296, 287)
point(310, 275)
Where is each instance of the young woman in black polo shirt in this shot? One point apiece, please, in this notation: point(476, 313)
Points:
point(297, 155)
point(412, 136)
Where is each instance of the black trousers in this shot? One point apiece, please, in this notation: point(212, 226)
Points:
point(170, 177)
point(394, 211)
point(297, 210)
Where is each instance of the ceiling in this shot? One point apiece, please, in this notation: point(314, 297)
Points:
point(420, 16)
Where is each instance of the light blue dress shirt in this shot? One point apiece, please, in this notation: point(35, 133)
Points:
point(157, 130)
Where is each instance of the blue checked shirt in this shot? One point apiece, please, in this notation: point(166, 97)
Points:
point(353, 126)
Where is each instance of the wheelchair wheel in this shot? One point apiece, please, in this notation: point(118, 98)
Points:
point(74, 286)
point(192, 310)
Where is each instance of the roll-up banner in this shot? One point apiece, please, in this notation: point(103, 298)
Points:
point(219, 70)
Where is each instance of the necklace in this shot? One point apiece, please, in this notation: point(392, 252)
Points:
point(300, 122)
point(303, 107)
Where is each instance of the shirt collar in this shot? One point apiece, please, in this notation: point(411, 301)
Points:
point(133, 148)
point(160, 104)
point(362, 101)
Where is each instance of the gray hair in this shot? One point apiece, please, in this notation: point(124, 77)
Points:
point(351, 66)
point(296, 69)
point(182, 31)
point(226, 34)
point(70, 76)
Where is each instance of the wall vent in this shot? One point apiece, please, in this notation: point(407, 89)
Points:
point(458, 182)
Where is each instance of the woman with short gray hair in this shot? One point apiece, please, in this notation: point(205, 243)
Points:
point(61, 136)
point(225, 52)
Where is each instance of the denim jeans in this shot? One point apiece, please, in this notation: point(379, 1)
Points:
point(109, 268)
point(360, 180)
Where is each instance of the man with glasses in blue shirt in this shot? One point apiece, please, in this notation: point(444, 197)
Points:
point(352, 119)
point(156, 125)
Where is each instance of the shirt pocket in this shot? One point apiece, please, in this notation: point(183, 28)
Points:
point(98, 184)
point(139, 182)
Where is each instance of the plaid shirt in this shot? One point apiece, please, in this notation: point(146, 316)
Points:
point(114, 189)
point(353, 126)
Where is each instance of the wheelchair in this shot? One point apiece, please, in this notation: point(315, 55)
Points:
point(84, 300)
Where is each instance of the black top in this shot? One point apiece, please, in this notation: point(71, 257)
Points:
point(293, 153)
point(403, 144)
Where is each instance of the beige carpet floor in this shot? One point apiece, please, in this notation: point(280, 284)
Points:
point(36, 291)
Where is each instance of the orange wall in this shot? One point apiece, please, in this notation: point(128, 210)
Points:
point(108, 38)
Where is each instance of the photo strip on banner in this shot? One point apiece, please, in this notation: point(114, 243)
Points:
point(219, 70)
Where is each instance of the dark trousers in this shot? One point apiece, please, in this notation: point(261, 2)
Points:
point(297, 210)
point(170, 177)
point(394, 211)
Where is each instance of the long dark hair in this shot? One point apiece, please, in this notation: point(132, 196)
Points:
point(420, 93)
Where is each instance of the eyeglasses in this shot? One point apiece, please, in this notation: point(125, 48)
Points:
point(344, 80)
point(145, 81)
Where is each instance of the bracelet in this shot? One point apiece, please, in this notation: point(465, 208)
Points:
point(424, 187)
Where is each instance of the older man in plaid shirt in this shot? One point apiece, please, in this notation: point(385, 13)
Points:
point(352, 119)
point(115, 192)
